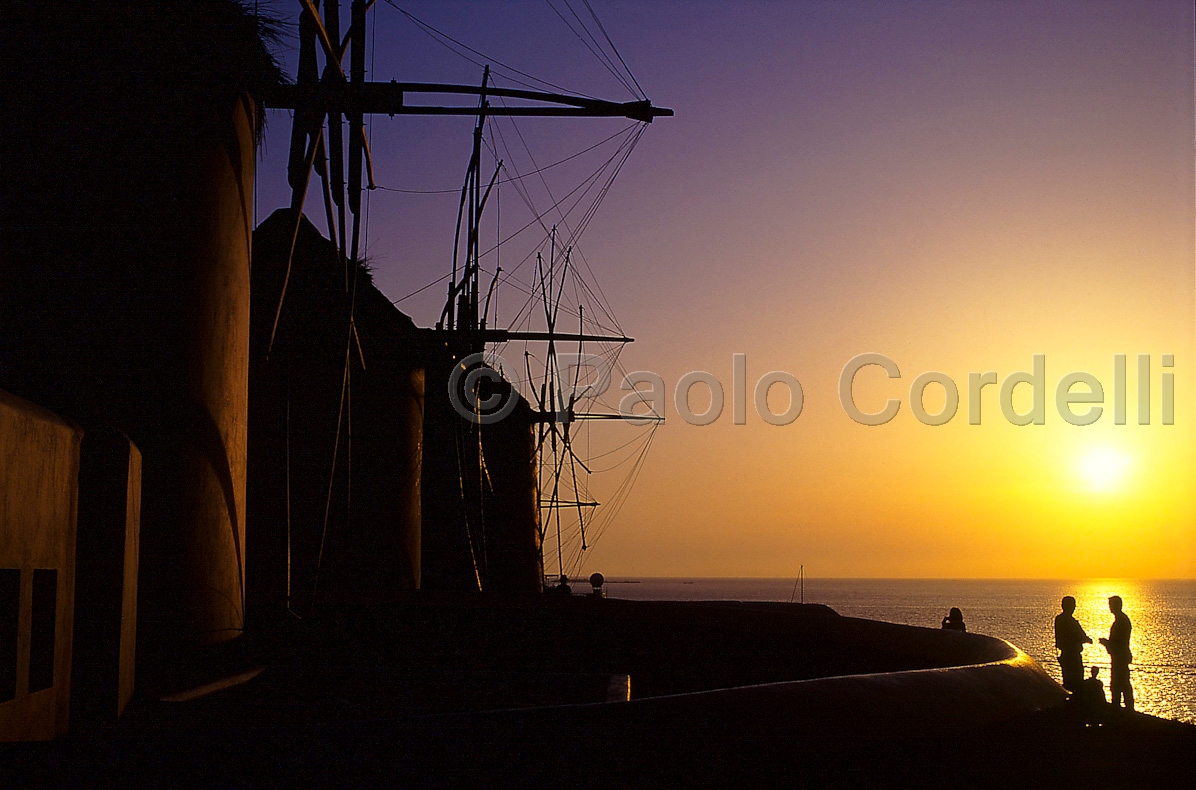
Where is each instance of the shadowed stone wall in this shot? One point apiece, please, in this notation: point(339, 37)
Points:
point(39, 466)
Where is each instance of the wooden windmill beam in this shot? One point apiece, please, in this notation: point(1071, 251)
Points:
point(390, 98)
point(330, 50)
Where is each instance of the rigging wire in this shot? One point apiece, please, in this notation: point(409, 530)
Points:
point(614, 48)
point(575, 233)
point(603, 55)
point(584, 187)
point(457, 190)
point(418, 291)
point(623, 152)
point(614, 450)
point(597, 53)
point(619, 498)
point(441, 37)
point(340, 414)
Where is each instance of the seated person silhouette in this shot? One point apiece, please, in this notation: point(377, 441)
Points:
point(562, 586)
point(1091, 697)
point(954, 620)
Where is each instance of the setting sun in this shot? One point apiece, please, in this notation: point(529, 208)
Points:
point(1104, 469)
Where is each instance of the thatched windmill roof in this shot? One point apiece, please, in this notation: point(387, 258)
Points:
point(319, 296)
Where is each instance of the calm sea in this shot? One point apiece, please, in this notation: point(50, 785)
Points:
point(1021, 611)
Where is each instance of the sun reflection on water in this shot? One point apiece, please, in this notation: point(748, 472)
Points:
point(1157, 656)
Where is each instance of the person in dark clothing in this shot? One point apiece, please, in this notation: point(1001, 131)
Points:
point(1091, 697)
point(1070, 640)
point(1118, 645)
point(954, 620)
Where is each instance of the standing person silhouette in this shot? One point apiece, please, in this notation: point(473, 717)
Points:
point(1120, 657)
point(1070, 640)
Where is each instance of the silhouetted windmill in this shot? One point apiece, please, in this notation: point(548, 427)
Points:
point(328, 137)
